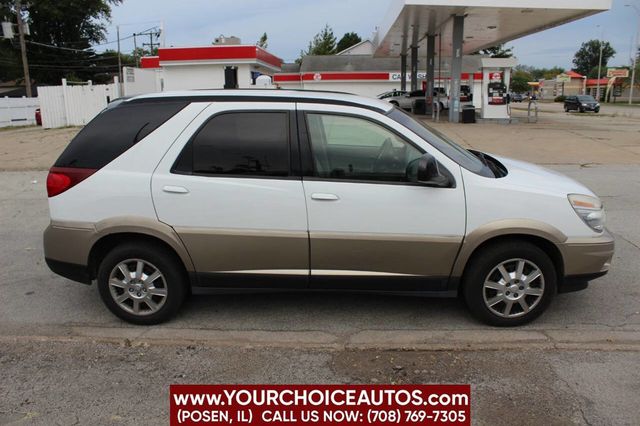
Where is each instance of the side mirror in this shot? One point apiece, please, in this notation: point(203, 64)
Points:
point(428, 173)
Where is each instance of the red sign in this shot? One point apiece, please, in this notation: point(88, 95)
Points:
point(320, 404)
point(495, 76)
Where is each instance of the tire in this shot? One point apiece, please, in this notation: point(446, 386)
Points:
point(582, 110)
point(566, 109)
point(483, 269)
point(597, 110)
point(171, 282)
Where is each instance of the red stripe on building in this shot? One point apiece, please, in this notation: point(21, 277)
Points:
point(222, 53)
point(150, 62)
point(332, 76)
point(286, 77)
point(347, 76)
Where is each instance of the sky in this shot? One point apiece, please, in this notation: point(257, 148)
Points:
point(291, 24)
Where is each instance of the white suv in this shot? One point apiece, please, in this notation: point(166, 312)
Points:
point(167, 194)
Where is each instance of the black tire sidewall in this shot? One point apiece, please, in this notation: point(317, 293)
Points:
point(161, 259)
point(489, 258)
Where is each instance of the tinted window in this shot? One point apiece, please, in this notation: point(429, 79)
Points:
point(114, 131)
point(358, 149)
point(584, 98)
point(240, 143)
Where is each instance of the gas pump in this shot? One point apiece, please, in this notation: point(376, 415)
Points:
point(496, 75)
point(497, 90)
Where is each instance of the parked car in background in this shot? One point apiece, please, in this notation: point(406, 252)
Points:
point(38, 117)
point(581, 103)
point(164, 195)
point(517, 97)
point(387, 96)
point(405, 100)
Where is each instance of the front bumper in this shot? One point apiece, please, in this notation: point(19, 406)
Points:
point(586, 259)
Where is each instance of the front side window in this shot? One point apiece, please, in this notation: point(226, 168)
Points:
point(352, 148)
point(240, 143)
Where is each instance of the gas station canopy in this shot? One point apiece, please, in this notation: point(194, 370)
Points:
point(487, 22)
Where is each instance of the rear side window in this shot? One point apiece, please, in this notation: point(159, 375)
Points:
point(114, 131)
point(239, 143)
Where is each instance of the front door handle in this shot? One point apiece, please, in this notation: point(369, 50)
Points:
point(324, 197)
point(175, 189)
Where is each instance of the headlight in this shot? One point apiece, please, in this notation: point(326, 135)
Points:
point(585, 105)
point(590, 210)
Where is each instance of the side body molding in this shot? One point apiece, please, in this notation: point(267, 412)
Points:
point(72, 241)
point(145, 226)
point(505, 227)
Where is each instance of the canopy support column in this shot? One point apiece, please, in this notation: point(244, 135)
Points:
point(403, 71)
point(431, 69)
point(414, 68)
point(456, 69)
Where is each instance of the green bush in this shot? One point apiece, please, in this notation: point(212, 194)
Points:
point(560, 98)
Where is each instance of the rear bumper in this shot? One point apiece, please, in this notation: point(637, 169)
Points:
point(72, 271)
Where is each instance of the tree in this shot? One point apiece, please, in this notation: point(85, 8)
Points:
point(263, 41)
point(348, 40)
point(323, 43)
point(587, 57)
point(519, 81)
point(540, 73)
point(499, 51)
point(62, 33)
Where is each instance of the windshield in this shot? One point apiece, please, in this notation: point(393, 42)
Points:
point(586, 99)
point(442, 143)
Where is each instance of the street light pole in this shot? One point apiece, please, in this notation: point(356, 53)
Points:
point(119, 56)
point(599, 67)
point(23, 49)
point(634, 54)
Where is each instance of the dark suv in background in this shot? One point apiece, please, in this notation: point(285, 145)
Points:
point(581, 103)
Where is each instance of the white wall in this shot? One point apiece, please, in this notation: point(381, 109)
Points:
point(138, 81)
point(18, 111)
point(208, 76)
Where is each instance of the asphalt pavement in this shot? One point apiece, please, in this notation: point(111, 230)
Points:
point(65, 359)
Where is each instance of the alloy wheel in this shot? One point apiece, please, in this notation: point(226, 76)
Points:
point(138, 287)
point(513, 288)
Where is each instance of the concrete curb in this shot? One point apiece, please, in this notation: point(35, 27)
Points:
point(430, 340)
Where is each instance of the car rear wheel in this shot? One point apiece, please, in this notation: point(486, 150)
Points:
point(141, 283)
point(509, 284)
point(566, 108)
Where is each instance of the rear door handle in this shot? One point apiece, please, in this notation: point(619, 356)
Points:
point(175, 189)
point(324, 197)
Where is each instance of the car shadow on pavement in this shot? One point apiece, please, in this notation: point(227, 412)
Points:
point(326, 311)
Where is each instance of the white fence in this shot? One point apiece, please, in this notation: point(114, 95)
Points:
point(68, 105)
point(18, 111)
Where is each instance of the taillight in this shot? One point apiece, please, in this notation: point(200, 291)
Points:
point(62, 178)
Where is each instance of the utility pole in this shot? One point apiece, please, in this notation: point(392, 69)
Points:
point(23, 49)
point(634, 54)
point(600, 65)
point(135, 49)
point(151, 44)
point(119, 57)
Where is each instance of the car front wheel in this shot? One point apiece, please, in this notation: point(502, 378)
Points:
point(509, 284)
point(141, 283)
